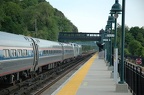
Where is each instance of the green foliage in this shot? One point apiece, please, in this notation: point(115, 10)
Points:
point(134, 41)
point(128, 38)
point(140, 52)
point(35, 18)
point(126, 51)
point(28, 3)
point(133, 47)
point(12, 20)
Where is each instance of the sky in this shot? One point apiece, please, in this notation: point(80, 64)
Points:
point(92, 15)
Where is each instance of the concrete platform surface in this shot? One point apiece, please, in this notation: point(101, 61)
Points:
point(96, 81)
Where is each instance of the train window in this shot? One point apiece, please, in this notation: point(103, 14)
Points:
point(13, 53)
point(45, 52)
point(6, 53)
point(40, 52)
point(24, 52)
point(65, 51)
point(32, 52)
point(19, 52)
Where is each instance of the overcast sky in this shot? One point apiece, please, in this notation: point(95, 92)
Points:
point(92, 15)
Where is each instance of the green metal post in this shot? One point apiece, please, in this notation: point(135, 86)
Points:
point(107, 50)
point(108, 53)
point(111, 46)
point(115, 38)
point(122, 43)
point(111, 43)
point(107, 45)
point(102, 37)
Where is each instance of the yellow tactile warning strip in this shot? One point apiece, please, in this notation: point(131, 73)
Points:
point(71, 87)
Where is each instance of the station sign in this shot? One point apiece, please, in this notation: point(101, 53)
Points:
point(110, 35)
point(106, 40)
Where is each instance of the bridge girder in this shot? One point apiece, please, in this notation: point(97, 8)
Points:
point(72, 36)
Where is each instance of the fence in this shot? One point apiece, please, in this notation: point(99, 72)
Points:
point(133, 58)
point(134, 77)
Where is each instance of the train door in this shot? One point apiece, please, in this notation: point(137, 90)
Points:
point(62, 51)
point(36, 55)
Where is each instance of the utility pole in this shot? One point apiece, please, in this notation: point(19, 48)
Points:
point(36, 28)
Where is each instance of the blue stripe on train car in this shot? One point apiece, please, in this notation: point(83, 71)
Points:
point(1, 54)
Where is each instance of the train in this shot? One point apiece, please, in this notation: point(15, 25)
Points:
point(21, 55)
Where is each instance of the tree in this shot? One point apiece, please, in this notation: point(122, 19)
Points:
point(25, 16)
point(140, 51)
point(12, 18)
point(2, 15)
point(128, 38)
point(134, 47)
point(140, 38)
point(126, 51)
point(134, 31)
point(27, 3)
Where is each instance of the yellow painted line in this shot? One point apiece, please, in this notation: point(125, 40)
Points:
point(71, 87)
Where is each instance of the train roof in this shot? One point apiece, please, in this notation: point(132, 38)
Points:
point(46, 43)
point(9, 39)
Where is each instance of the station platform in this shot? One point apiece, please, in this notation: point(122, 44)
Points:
point(93, 78)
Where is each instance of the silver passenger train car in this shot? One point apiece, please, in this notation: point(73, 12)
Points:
point(20, 55)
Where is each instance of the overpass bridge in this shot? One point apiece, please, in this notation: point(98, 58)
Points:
point(87, 39)
point(73, 36)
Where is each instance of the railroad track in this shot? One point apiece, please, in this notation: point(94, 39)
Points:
point(61, 76)
point(41, 82)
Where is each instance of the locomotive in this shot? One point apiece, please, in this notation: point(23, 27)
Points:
point(21, 55)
